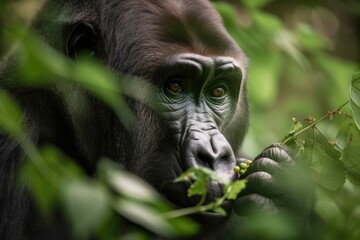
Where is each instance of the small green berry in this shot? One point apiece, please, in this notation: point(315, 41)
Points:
point(237, 169)
point(242, 171)
point(244, 166)
point(248, 162)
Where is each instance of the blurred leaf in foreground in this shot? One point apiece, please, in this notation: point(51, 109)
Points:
point(351, 159)
point(128, 184)
point(86, 206)
point(355, 98)
point(348, 134)
point(11, 119)
point(328, 170)
point(48, 168)
point(48, 68)
point(234, 188)
point(144, 216)
point(201, 176)
point(255, 3)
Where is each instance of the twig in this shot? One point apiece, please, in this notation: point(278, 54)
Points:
point(316, 122)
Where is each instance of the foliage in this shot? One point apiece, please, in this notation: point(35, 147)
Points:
point(10, 116)
point(201, 177)
point(330, 161)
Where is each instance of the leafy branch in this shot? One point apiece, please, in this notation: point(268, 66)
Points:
point(201, 177)
point(297, 128)
point(331, 162)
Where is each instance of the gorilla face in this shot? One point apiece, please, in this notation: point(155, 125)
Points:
point(198, 113)
point(197, 99)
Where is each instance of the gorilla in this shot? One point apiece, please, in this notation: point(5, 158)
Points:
point(198, 115)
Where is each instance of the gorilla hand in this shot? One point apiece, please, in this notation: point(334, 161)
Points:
point(276, 186)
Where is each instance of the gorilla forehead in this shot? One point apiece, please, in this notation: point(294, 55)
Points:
point(150, 30)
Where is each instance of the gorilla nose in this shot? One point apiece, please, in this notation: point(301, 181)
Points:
point(212, 151)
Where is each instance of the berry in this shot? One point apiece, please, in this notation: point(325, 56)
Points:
point(244, 166)
point(248, 162)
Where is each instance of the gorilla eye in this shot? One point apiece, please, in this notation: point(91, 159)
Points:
point(217, 92)
point(174, 87)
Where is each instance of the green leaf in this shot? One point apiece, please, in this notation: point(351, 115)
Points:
point(351, 159)
point(307, 153)
point(328, 170)
point(348, 134)
point(145, 216)
point(201, 176)
point(296, 146)
point(102, 83)
point(234, 188)
point(86, 206)
point(48, 168)
point(199, 187)
point(296, 127)
point(11, 119)
point(184, 226)
point(255, 3)
point(269, 22)
point(49, 66)
point(131, 186)
point(355, 98)
point(61, 166)
point(355, 110)
point(219, 210)
point(37, 67)
point(356, 80)
point(35, 179)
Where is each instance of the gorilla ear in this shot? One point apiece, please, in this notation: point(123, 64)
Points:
point(81, 39)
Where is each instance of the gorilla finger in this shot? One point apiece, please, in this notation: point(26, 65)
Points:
point(254, 203)
point(277, 153)
point(263, 165)
point(261, 183)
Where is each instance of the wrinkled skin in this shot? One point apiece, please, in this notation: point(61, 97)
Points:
point(197, 115)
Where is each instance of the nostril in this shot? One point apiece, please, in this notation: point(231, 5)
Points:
point(205, 161)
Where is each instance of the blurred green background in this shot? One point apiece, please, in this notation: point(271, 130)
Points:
point(302, 55)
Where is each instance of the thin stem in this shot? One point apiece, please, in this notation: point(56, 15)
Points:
point(316, 122)
point(197, 209)
point(186, 211)
point(202, 200)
